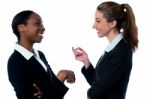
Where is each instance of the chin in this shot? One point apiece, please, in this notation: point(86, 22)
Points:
point(39, 41)
point(100, 36)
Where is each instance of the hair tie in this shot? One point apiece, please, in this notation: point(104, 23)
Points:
point(123, 7)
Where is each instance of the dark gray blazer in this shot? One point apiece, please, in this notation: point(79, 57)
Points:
point(22, 74)
point(110, 78)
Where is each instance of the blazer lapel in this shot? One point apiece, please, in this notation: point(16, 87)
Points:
point(101, 59)
point(49, 71)
point(34, 63)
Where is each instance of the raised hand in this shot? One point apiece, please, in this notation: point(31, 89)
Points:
point(82, 56)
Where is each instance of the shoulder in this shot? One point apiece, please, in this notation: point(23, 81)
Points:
point(122, 48)
point(15, 56)
point(16, 62)
point(121, 52)
point(120, 56)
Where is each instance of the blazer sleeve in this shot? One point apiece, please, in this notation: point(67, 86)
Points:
point(23, 74)
point(89, 73)
point(56, 88)
point(109, 73)
point(20, 79)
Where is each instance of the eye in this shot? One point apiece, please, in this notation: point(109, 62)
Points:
point(38, 23)
point(97, 21)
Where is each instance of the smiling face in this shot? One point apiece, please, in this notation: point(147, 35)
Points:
point(33, 31)
point(102, 26)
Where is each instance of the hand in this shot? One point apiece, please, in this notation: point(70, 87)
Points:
point(67, 75)
point(70, 77)
point(38, 92)
point(81, 55)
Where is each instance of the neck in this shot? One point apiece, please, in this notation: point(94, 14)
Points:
point(112, 35)
point(27, 45)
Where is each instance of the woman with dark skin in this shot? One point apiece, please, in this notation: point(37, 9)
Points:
point(28, 70)
point(109, 79)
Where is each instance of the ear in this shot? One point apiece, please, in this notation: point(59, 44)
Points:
point(21, 28)
point(113, 24)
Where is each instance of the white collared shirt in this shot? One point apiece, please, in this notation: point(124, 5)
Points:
point(27, 54)
point(114, 42)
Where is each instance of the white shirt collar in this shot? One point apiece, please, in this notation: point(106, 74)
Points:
point(24, 52)
point(114, 42)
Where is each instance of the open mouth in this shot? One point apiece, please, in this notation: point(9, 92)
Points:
point(40, 35)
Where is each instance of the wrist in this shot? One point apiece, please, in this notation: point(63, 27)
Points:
point(86, 64)
point(61, 77)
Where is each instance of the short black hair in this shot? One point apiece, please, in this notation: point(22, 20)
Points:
point(20, 18)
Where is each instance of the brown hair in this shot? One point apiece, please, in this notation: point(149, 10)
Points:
point(124, 16)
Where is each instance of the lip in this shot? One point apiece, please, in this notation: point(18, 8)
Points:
point(40, 35)
point(97, 31)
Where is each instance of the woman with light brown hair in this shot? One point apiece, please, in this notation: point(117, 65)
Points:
point(109, 79)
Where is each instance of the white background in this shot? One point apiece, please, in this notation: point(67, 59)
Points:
point(69, 23)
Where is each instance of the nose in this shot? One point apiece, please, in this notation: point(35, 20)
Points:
point(94, 26)
point(42, 28)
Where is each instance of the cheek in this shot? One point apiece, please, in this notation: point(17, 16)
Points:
point(104, 26)
point(103, 30)
point(100, 26)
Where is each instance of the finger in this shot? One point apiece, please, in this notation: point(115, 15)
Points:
point(38, 94)
point(77, 54)
point(70, 81)
point(73, 50)
point(39, 97)
point(70, 71)
point(36, 87)
point(71, 78)
point(79, 48)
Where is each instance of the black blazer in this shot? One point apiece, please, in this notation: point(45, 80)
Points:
point(110, 78)
point(22, 74)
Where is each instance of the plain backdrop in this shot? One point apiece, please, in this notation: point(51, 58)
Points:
point(69, 23)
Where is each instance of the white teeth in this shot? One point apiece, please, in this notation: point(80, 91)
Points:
point(40, 34)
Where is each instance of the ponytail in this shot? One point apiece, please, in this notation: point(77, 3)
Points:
point(130, 30)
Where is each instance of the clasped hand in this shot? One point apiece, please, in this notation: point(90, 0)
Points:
point(62, 75)
point(66, 75)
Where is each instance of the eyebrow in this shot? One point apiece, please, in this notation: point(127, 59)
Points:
point(39, 20)
point(99, 18)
